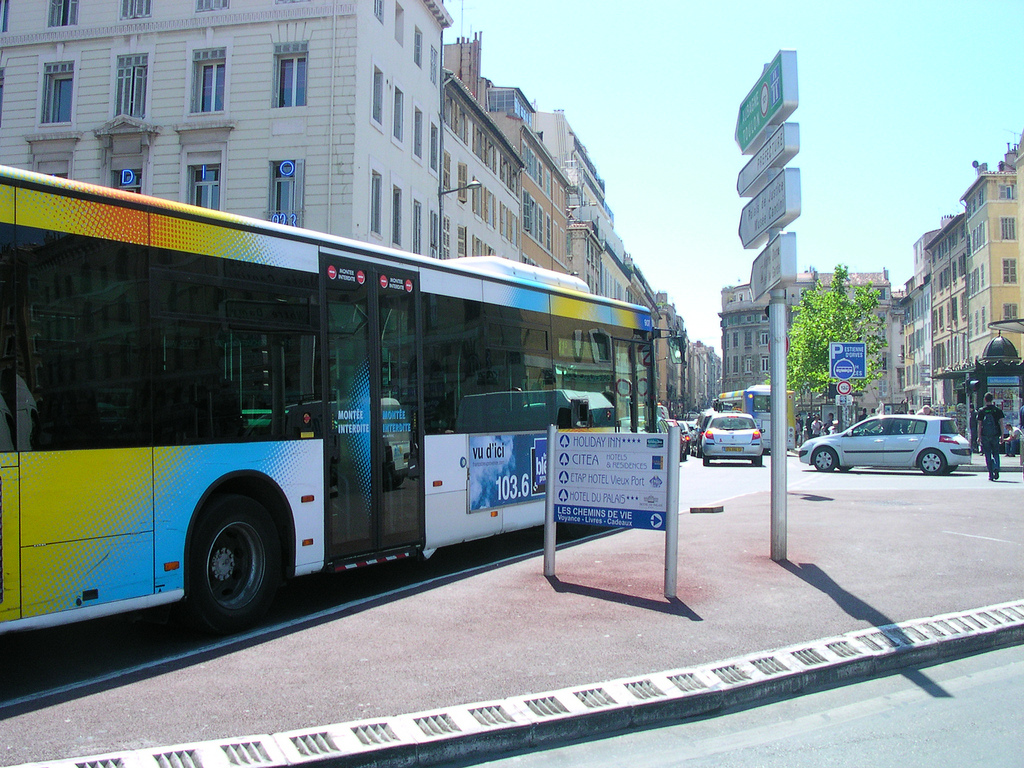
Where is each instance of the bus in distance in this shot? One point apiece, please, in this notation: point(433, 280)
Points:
point(756, 400)
point(198, 406)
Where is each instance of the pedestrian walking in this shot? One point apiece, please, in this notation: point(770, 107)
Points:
point(972, 427)
point(1016, 434)
point(992, 426)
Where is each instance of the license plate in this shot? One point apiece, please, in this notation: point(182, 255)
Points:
point(734, 449)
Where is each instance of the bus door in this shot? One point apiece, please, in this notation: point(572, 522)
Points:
point(634, 381)
point(371, 442)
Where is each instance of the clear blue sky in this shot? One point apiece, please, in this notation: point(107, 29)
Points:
point(896, 101)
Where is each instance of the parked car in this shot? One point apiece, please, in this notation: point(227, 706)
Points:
point(702, 422)
point(929, 443)
point(684, 435)
point(732, 436)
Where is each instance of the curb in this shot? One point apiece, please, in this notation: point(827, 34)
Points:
point(487, 729)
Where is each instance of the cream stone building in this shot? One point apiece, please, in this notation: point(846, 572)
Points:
point(312, 113)
point(993, 253)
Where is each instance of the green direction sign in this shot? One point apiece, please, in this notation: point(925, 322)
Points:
point(772, 99)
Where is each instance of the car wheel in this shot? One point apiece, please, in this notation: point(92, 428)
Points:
point(844, 469)
point(757, 461)
point(932, 462)
point(706, 460)
point(825, 460)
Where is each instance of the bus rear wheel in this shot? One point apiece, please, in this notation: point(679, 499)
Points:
point(234, 565)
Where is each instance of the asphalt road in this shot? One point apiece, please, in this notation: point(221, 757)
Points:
point(865, 549)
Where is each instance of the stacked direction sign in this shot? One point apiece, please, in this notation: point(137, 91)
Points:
point(614, 480)
point(762, 131)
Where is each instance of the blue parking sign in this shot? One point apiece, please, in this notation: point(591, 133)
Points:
point(848, 360)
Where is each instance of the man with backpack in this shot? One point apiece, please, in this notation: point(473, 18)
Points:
point(991, 427)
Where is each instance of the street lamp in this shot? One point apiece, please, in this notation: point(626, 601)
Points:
point(474, 183)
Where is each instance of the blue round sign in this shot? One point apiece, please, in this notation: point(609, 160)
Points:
point(844, 369)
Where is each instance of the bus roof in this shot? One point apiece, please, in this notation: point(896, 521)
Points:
point(488, 267)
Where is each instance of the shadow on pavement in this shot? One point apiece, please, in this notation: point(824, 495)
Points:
point(858, 609)
point(672, 606)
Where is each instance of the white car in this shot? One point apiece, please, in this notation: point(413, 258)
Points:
point(929, 443)
point(732, 436)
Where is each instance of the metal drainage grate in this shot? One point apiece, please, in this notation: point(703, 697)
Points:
point(769, 666)
point(375, 733)
point(491, 716)
point(1014, 613)
point(314, 744)
point(877, 641)
point(687, 682)
point(549, 706)
point(914, 635)
point(246, 753)
point(595, 698)
point(437, 725)
point(843, 649)
point(974, 623)
point(183, 759)
point(644, 689)
point(731, 674)
point(809, 657)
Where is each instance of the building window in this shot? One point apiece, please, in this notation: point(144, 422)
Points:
point(376, 201)
point(5, 7)
point(63, 13)
point(57, 89)
point(398, 123)
point(211, 5)
point(433, 65)
point(764, 338)
point(1009, 311)
point(378, 10)
point(286, 192)
point(1, 90)
point(446, 237)
point(1007, 192)
point(136, 9)
point(417, 133)
point(204, 186)
point(433, 146)
point(462, 194)
point(1009, 270)
point(127, 180)
point(290, 63)
point(1008, 225)
point(399, 24)
point(132, 72)
point(417, 47)
point(396, 216)
point(764, 364)
point(209, 80)
point(417, 227)
point(377, 109)
point(461, 243)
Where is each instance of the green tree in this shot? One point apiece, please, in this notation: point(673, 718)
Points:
point(833, 313)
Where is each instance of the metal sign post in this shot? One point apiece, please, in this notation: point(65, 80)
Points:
point(761, 131)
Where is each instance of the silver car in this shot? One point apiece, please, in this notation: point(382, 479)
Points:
point(930, 443)
point(733, 436)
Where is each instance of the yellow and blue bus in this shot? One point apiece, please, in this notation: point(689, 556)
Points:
point(756, 400)
point(197, 406)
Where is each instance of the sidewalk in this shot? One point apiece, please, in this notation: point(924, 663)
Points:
point(507, 659)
